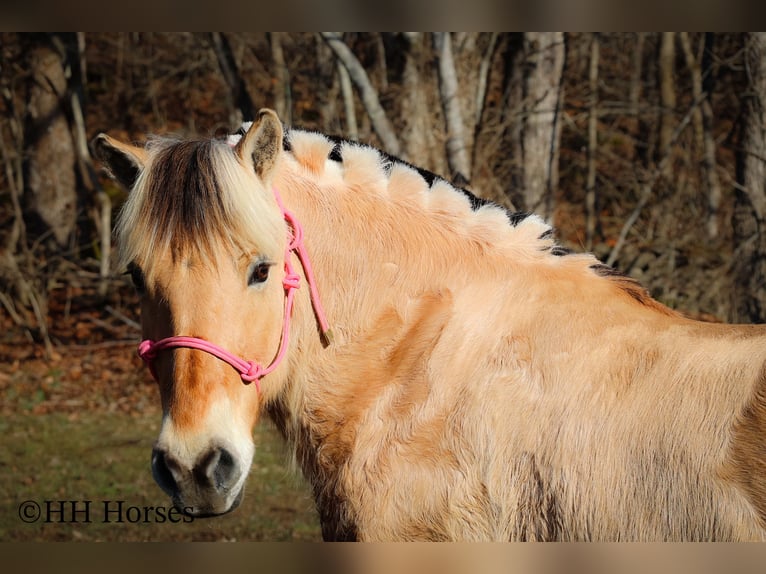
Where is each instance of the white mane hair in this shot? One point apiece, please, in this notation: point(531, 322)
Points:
point(363, 169)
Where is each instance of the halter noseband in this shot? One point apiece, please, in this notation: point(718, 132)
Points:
point(251, 371)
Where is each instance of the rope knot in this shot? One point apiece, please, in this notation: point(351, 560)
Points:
point(146, 351)
point(291, 281)
point(253, 372)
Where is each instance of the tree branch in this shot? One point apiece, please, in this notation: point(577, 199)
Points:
point(231, 74)
point(648, 187)
point(590, 186)
point(367, 92)
point(348, 102)
point(282, 92)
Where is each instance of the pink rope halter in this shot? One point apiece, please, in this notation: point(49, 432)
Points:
point(251, 371)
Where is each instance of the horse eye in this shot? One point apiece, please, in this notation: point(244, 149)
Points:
point(259, 273)
point(137, 276)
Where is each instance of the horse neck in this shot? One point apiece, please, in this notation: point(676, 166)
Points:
point(372, 257)
point(371, 253)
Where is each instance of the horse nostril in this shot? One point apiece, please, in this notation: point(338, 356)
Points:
point(163, 468)
point(226, 469)
point(217, 468)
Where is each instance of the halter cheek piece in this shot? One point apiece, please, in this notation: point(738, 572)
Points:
point(251, 371)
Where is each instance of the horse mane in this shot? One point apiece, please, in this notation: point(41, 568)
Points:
point(193, 195)
point(324, 154)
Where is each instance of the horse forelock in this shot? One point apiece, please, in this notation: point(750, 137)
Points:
point(195, 197)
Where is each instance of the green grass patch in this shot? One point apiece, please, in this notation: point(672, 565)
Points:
point(104, 458)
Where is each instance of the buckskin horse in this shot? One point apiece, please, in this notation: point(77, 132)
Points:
point(479, 382)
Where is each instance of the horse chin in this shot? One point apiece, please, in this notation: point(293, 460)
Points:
point(207, 509)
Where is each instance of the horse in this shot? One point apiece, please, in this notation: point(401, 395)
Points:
point(440, 367)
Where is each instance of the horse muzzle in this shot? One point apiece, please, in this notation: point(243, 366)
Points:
point(211, 485)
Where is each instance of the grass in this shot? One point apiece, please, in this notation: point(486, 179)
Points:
point(104, 458)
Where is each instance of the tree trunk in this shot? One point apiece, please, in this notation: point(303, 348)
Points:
point(457, 146)
point(243, 108)
point(418, 136)
point(327, 88)
point(483, 80)
point(702, 118)
point(538, 69)
point(667, 93)
point(96, 197)
point(709, 162)
point(367, 92)
point(51, 184)
point(349, 109)
point(636, 75)
point(590, 185)
point(750, 194)
point(282, 96)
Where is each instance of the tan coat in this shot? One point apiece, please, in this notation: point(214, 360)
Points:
point(481, 385)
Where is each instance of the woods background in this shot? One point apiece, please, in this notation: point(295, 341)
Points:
point(646, 148)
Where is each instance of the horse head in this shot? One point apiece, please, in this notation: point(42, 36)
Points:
point(206, 244)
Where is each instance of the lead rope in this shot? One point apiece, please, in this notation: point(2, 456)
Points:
point(251, 371)
point(297, 245)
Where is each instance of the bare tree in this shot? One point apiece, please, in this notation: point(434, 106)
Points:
point(702, 120)
point(96, 198)
point(243, 108)
point(418, 136)
point(538, 64)
point(590, 185)
point(51, 191)
point(39, 160)
point(282, 95)
point(636, 74)
point(483, 80)
point(352, 130)
point(326, 87)
point(367, 92)
point(750, 204)
point(457, 146)
point(667, 92)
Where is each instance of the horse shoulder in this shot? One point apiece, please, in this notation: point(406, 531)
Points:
point(745, 463)
point(377, 426)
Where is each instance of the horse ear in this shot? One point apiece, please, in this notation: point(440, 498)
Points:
point(123, 161)
point(261, 145)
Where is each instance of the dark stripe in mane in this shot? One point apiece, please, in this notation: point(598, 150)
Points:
point(627, 284)
point(389, 161)
point(183, 196)
point(630, 286)
point(430, 177)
